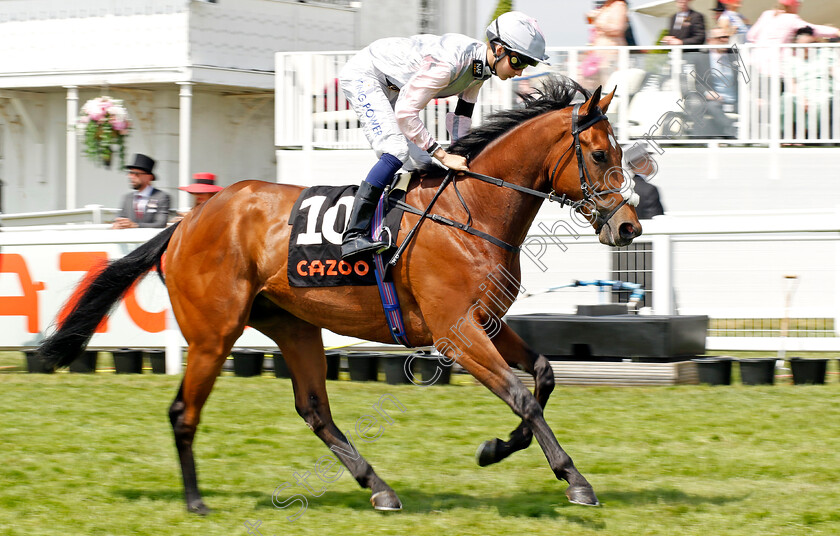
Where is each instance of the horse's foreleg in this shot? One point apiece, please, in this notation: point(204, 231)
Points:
point(304, 354)
point(483, 360)
point(516, 352)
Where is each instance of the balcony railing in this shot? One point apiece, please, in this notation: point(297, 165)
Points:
point(770, 96)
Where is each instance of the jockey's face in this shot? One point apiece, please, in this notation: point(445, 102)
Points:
point(504, 69)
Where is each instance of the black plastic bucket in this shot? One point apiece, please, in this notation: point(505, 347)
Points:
point(280, 368)
point(333, 363)
point(714, 370)
point(808, 371)
point(363, 367)
point(394, 367)
point(157, 360)
point(127, 361)
point(758, 371)
point(86, 363)
point(434, 371)
point(248, 362)
point(34, 363)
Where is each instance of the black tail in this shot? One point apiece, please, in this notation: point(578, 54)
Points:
point(96, 296)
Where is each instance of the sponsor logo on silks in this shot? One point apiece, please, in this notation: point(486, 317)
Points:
point(331, 267)
point(478, 68)
point(366, 109)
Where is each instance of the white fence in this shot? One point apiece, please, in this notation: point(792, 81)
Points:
point(91, 214)
point(784, 95)
point(726, 266)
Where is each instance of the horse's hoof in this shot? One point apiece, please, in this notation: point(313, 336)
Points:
point(486, 453)
point(386, 501)
point(198, 507)
point(582, 495)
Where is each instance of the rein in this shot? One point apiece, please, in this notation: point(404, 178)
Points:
point(585, 186)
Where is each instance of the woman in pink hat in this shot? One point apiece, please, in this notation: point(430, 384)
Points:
point(203, 187)
point(777, 26)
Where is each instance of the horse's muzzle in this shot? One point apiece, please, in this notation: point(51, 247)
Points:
point(619, 233)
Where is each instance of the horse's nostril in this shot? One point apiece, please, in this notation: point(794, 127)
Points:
point(627, 231)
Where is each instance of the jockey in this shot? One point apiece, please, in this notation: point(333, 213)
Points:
point(393, 79)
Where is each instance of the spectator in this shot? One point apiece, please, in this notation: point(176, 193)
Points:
point(809, 78)
point(721, 74)
point(638, 158)
point(146, 206)
point(609, 29)
point(717, 13)
point(202, 188)
point(687, 27)
point(609, 24)
point(777, 26)
point(732, 22)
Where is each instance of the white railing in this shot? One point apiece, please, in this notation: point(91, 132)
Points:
point(91, 214)
point(785, 95)
point(725, 265)
point(311, 111)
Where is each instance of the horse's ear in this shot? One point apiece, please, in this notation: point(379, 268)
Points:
point(589, 106)
point(604, 103)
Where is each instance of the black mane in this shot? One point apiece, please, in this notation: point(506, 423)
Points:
point(557, 93)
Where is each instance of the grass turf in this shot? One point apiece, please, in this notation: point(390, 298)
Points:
point(93, 454)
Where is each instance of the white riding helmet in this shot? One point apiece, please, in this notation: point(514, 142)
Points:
point(519, 33)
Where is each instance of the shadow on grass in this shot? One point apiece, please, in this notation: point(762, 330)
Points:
point(176, 495)
point(549, 503)
point(667, 496)
point(536, 505)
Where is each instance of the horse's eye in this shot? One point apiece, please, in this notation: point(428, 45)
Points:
point(599, 156)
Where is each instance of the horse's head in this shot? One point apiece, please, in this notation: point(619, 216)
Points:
point(593, 168)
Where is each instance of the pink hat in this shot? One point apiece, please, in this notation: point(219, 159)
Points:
point(789, 3)
point(202, 183)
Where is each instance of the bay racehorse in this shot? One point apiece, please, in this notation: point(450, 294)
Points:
point(226, 266)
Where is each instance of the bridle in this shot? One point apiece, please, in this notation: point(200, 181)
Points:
point(586, 188)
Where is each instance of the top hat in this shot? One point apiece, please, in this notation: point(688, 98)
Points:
point(143, 163)
point(637, 152)
point(720, 8)
point(202, 183)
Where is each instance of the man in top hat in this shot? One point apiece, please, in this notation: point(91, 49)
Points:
point(687, 27)
point(146, 206)
point(643, 166)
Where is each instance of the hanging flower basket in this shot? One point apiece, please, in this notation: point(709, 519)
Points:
point(104, 124)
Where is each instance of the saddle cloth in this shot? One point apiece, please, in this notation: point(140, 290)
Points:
point(318, 220)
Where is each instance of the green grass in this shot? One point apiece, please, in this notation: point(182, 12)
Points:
point(93, 455)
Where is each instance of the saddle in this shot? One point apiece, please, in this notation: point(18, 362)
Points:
point(318, 220)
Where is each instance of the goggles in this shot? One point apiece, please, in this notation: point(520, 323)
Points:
point(518, 61)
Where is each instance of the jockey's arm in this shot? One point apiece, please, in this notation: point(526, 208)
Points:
point(420, 89)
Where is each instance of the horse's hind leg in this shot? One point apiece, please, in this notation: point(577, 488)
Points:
point(303, 351)
point(516, 352)
point(208, 349)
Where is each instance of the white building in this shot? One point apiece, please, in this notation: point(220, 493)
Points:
point(197, 78)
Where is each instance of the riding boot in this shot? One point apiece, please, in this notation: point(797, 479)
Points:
point(357, 239)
